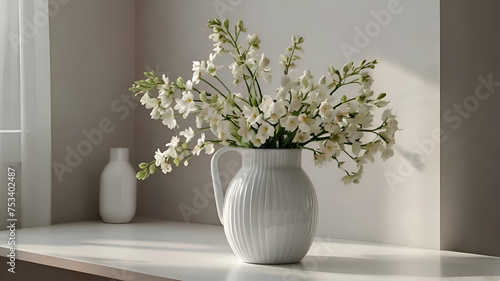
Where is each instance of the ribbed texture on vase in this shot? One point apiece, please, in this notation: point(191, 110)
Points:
point(270, 210)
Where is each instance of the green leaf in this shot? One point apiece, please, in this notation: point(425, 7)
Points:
point(381, 96)
point(143, 165)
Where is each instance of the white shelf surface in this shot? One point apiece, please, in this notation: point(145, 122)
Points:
point(150, 249)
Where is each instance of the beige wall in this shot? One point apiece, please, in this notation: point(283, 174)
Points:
point(92, 66)
point(470, 175)
point(170, 34)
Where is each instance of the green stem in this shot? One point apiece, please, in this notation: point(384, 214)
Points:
point(343, 103)
point(222, 83)
point(312, 149)
point(212, 86)
point(287, 66)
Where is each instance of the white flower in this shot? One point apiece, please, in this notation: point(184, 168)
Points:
point(171, 152)
point(301, 137)
point(315, 125)
point(166, 167)
point(165, 86)
point(329, 149)
point(218, 48)
point(370, 149)
point(225, 105)
point(188, 85)
point(387, 114)
point(278, 110)
point(157, 112)
point(366, 80)
point(206, 112)
point(338, 136)
point(215, 123)
point(197, 148)
point(169, 118)
point(216, 37)
point(253, 116)
point(209, 148)
point(246, 132)
point(325, 109)
point(264, 61)
point(174, 142)
point(356, 147)
point(366, 92)
point(320, 159)
point(145, 98)
point(290, 123)
point(303, 122)
point(186, 104)
point(149, 102)
point(386, 136)
point(159, 157)
point(253, 39)
point(199, 68)
point(353, 133)
point(224, 130)
point(188, 134)
point(387, 153)
point(166, 80)
point(392, 126)
point(331, 127)
point(165, 100)
point(363, 117)
point(212, 67)
point(265, 131)
point(258, 141)
point(265, 106)
point(237, 71)
point(295, 104)
point(347, 179)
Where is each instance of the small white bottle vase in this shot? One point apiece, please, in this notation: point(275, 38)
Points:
point(118, 189)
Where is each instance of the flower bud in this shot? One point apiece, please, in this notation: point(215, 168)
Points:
point(203, 97)
point(253, 39)
point(180, 82)
point(152, 169)
point(347, 66)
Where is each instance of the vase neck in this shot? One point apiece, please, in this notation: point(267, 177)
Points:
point(271, 158)
point(118, 154)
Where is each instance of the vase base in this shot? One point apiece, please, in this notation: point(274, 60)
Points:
point(271, 263)
point(114, 222)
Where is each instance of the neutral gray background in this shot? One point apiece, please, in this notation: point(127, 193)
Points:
point(92, 65)
point(470, 173)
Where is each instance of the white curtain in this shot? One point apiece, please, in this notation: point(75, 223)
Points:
point(25, 109)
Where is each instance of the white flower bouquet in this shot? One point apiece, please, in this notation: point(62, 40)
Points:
point(302, 114)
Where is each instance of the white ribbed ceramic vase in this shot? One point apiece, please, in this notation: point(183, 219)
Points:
point(270, 210)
